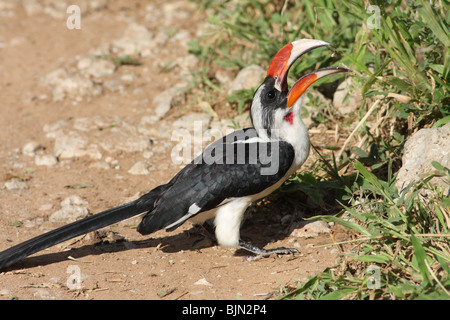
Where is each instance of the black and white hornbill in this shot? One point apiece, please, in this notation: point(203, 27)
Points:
point(227, 177)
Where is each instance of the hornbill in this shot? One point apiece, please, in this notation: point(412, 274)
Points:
point(227, 177)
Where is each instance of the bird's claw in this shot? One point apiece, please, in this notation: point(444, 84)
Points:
point(260, 252)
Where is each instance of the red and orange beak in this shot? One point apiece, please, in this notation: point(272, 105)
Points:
point(304, 82)
point(285, 58)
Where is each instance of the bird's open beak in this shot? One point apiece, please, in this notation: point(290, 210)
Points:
point(304, 82)
point(283, 60)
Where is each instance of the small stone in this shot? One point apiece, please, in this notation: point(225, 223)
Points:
point(100, 165)
point(248, 78)
point(54, 77)
point(75, 88)
point(15, 185)
point(128, 77)
point(70, 145)
point(73, 200)
point(136, 40)
point(203, 282)
point(41, 293)
point(421, 149)
point(47, 160)
point(69, 214)
point(5, 292)
point(96, 67)
point(72, 209)
point(148, 154)
point(46, 207)
point(163, 101)
point(307, 229)
point(30, 148)
point(140, 168)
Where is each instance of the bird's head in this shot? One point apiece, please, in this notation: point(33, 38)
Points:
point(274, 106)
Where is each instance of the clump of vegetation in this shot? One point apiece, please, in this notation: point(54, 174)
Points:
point(399, 54)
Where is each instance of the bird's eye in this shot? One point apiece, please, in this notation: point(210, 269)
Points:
point(271, 95)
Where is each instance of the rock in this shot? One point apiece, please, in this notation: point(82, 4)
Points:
point(46, 207)
point(347, 97)
point(41, 293)
point(5, 292)
point(30, 148)
point(70, 86)
point(47, 160)
point(100, 165)
point(15, 185)
point(53, 77)
point(309, 229)
point(70, 145)
point(148, 154)
point(53, 130)
point(423, 147)
point(149, 119)
point(96, 67)
point(128, 78)
point(136, 40)
point(163, 101)
point(248, 78)
point(203, 282)
point(75, 88)
point(73, 200)
point(178, 10)
point(140, 168)
point(114, 85)
point(72, 209)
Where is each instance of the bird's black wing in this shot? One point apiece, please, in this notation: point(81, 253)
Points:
point(240, 164)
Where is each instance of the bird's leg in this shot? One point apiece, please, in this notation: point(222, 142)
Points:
point(260, 252)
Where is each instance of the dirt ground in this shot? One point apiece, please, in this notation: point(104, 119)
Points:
point(183, 264)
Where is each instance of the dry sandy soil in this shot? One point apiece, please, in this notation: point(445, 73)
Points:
point(183, 264)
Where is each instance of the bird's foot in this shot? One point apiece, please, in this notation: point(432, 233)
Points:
point(260, 252)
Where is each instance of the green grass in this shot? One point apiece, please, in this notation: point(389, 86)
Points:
point(406, 238)
point(402, 70)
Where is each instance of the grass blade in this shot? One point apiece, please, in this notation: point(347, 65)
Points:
point(420, 255)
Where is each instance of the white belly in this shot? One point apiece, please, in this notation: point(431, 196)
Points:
point(229, 214)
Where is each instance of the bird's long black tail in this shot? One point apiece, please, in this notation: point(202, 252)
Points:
point(69, 231)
